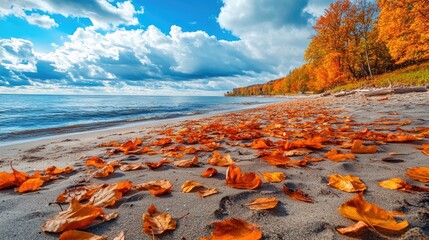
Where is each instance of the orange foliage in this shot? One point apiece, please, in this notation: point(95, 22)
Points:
point(236, 179)
point(236, 229)
point(297, 194)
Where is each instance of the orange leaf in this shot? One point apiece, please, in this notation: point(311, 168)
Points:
point(336, 156)
point(346, 183)
point(20, 177)
point(297, 194)
point(79, 193)
point(154, 165)
point(261, 143)
point(96, 162)
point(419, 173)
point(6, 180)
point(358, 209)
point(401, 184)
point(107, 196)
point(156, 188)
point(276, 158)
point(189, 185)
point(210, 172)
point(173, 154)
point(162, 142)
point(358, 147)
point(236, 229)
point(236, 179)
point(155, 222)
point(207, 192)
point(104, 171)
point(53, 170)
point(220, 160)
point(353, 228)
point(425, 148)
point(79, 235)
point(187, 163)
point(30, 185)
point(263, 203)
point(274, 177)
point(77, 216)
point(131, 167)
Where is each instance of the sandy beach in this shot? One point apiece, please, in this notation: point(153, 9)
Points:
point(22, 215)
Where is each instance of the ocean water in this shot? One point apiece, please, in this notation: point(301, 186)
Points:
point(28, 117)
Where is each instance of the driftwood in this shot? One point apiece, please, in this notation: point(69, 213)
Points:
point(342, 94)
point(379, 92)
point(410, 89)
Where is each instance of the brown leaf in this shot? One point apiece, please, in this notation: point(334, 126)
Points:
point(77, 216)
point(297, 194)
point(187, 163)
point(155, 165)
point(236, 179)
point(353, 228)
point(79, 235)
point(131, 167)
point(79, 193)
point(155, 222)
point(207, 192)
point(210, 172)
point(52, 170)
point(107, 196)
point(156, 188)
point(358, 147)
point(358, 209)
point(274, 177)
point(419, 174)
point(30, 185)
point(189, 185)
point(346, 183)
point(263, 203)
point(234, 229)
point(103, 172)
point(220, 160)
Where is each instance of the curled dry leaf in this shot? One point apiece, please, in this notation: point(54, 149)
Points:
point(155, 165)
point(419, 174)
point(189, 185)
point(358, 209)
point(346, 183)
point(261, 143)
point(53, 170)
point(336, 155)
point(79, 235)
point(79, 193)
point(95, 162)
point(263, 203)
point(30, 185)
point(236, 179)
point(104, 171)
point(156, 188)
point(274, 177)
point(220, 160)
point(236, 229)
point(173, 154)
point(77, 216)
point(297, 194)
point(298, 152)
point(276, 158)
point(401, 184)
point(131, 167)
point(155, 222)
point(187, 163)
point(207, 192)
point(312, 143)
point(7, 180)
point(353, 228)
point(358, 147)
point(20, 177)
point(210, 172)
point(107, 196)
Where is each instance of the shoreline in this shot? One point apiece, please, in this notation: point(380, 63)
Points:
point(286, 221)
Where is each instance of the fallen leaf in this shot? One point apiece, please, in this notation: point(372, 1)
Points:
point(401, 184)
point(236, 179)
point(189, 185)
point(107, 196)
point(207, 192)
point(154, 165)
point(77, 216)
point(20, 177)
point(358, 209)
point(103, 172)
point(297, 194)
point(234, 229)
point(419, 174)
point(187, 163)
point(79, 193)
point(95, 162)
point(274, 177)
point(6, 180)
point(53, 170)
point(263, 203)
point(336, 155)
point(353, 228)
point(346, 183)
point(297, 152)
point(173, 154)
point(30, 185)
point(262, 143)
point(210, 172)
point(220, 160)
point(155, 222)
point(131, 167)
point(156, 188)
point(276, 158)
point(79, 235)
point(358, 147)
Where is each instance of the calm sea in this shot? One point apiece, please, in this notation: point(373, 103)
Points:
point(26, 117)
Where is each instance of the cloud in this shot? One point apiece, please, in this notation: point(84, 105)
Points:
point(101, 13)
point(17, 55)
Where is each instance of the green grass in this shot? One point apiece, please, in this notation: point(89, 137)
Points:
point(417, 75)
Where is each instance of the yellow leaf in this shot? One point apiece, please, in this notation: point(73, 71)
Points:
point(263, 203)
point(274, 177)
point(346, 183)
point(189, 185)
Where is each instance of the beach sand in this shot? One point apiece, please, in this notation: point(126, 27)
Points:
point(22, 215)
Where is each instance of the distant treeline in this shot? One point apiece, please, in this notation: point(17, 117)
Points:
point(354, 41)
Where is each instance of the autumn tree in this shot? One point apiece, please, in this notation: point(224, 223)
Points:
point(404, 26)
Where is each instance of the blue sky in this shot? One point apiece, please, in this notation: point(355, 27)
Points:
point(152, 47)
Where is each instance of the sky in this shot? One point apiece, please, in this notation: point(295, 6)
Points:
point(150, 47)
